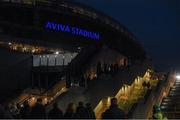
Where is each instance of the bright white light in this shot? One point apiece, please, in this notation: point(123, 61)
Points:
point(178, 77)
point(33, 98)
point(57, 52)
point(33, 50)
point(9, 43)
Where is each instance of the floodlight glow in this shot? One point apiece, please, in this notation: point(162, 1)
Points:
point(57, 52)
point(178, 77)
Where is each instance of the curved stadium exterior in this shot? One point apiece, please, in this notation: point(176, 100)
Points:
point(65, 22)
point(68, 26)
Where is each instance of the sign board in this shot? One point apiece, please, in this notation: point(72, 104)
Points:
point(72, 30)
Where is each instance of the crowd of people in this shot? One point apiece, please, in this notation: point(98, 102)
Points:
point(38, 111)
point(106, 68)
point(101, 69)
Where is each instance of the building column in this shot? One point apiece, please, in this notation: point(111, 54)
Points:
point(47, 82)
point(39, 82)
point(68, 78)
point(32, 80)
point(36, 16)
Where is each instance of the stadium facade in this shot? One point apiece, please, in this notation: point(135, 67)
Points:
point(44, 42)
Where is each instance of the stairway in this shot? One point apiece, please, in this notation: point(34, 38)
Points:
point(170, 105)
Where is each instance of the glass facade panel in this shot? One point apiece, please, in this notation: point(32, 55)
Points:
point(53, 59)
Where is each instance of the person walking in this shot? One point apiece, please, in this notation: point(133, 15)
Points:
point(25, 111)
point(55, 113)
point(38, 111)
point(70, 111)
point(81, 111)
point(113, 112)
point(90, 112)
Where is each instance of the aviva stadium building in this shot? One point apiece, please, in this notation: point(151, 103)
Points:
point(49, 47)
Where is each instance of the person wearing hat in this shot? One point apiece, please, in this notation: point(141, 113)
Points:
point(157, 114)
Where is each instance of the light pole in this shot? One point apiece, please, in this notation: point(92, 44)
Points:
point(56, 53)
point(55, 60)
point(47, 60)
point(71, 57)
point(40, 60)
point(63, 60)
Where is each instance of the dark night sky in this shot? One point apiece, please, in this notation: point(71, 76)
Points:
point(156, 24)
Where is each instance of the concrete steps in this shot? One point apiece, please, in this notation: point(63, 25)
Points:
point(170, 105)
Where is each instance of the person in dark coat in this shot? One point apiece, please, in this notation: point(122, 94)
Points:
point(18, 111)
point(90, 112)
point(144, 84)
point(113, 112)
point(148, 85)
point(38, 111)
point(81, 111)
point(99, 69)
point(4, 112)
point(25, 111)
point(55, 113)
point(70, 111)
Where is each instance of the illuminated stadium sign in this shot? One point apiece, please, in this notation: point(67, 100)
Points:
point(71, 29)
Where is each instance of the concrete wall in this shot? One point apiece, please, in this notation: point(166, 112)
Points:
point(15, 71)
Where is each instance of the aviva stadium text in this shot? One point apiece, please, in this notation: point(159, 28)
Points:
point(73, 30)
